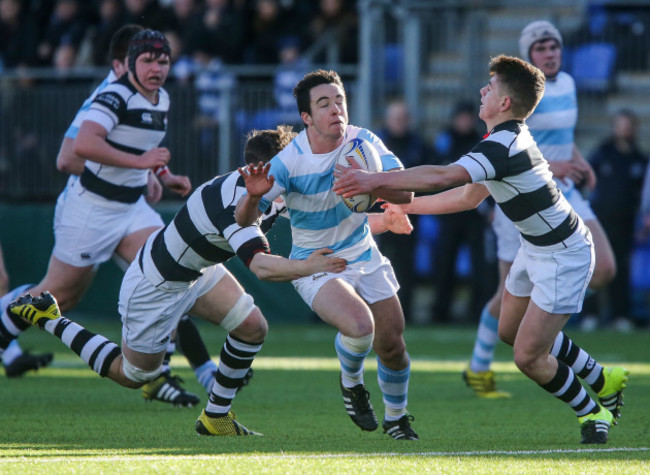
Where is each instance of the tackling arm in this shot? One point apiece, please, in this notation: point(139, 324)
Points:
point(280, 269)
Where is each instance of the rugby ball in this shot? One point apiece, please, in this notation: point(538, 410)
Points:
point(367, 157)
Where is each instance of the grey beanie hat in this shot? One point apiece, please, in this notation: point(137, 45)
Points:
point(536, 31)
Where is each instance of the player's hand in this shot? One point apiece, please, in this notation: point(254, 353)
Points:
point(156, 157)
point(395, 219)
point(154, 189)
point(350, 181)
point(257, 179)
point(319, 261)
point(179, 184)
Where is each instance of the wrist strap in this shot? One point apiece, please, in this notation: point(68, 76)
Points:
point(161, 171)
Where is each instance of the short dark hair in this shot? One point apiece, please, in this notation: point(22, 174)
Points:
point(263, 145)
point(521, 81)
point(310, 81)
point(119, 46)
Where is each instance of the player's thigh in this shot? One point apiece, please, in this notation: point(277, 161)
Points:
point(605, 267)
point(131, 244)
point(513, 309)
point(338, 304)
point(66, 282)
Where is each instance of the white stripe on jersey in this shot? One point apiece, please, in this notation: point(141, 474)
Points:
point(73, 129)
point(318, 216)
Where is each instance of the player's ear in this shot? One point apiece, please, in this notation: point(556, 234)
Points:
point(306, 118)
point(506, 103)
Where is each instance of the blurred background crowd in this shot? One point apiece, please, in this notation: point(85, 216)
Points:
point(235, 63)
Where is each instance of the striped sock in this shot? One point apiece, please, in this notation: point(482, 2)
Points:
point(205, 374)
point(97, 351)
point(351, 363)
point(11, 326)
point(486, 339)
point(566, 387)
point(236, 358)
point(394, 387)
point(580, 361)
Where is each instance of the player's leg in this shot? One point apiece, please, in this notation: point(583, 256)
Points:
point(478, 376)
point(337, 303)
point(227, 305)
point(531, 354)
point(62, 279)
point(605, 268)
point(378, 286)
point(393, 368)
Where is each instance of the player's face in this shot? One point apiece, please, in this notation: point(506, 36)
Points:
point(490, 101)
point(329, 111)
point(547, 56)
point(152, 71)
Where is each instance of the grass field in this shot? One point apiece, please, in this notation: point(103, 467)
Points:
point(65, 419)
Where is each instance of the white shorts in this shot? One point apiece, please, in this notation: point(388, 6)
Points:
point(556, 280)
point(374, 280)
point(149, 315)
point(509, 238)
point(88, 228)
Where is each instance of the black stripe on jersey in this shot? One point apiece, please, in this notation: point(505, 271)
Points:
point(557, 235)
point(144, 119)
point(525, 205)
point(170, 269)
point(193, 238)
point(112, 101)
point(125, 148)
point(505, 165)
point(220, 212)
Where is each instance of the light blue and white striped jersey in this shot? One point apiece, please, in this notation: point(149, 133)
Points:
point(318, 216)
point(553, 122)
point(73, 130)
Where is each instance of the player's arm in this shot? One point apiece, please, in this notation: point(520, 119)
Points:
point(394, 196)
point(351, 182)
point(91, 144)
point(455, 200)
point(67, 161)
point(274, 268)
point(258, 182)
point(588, 174)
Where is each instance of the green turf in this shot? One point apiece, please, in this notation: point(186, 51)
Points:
point(65, 419)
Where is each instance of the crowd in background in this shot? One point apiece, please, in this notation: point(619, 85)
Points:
point(67, 33)
point(206, 34)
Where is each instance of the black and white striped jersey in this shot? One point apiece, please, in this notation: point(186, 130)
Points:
point(518, 178)
point(204, 233)
point(134, 125)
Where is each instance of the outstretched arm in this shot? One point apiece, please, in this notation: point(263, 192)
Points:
point(450, 201)
point(393, 219)
point(351, 182)
point(280, 269)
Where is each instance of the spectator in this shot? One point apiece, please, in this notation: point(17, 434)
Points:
point(18, 36)
point(619, 165)
point(267, 27)
point(65, 28)
point(337, 17)
point(149, 14)
point(398, 136)
point(468, 227)
point(110, 20)
point(217, 30)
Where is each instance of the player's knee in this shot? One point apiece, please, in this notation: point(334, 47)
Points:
point(245, 320)
point(135, 377)
point(525, 361)
point(392, 352)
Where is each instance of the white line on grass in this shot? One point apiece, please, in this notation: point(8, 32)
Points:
point(478, 453)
